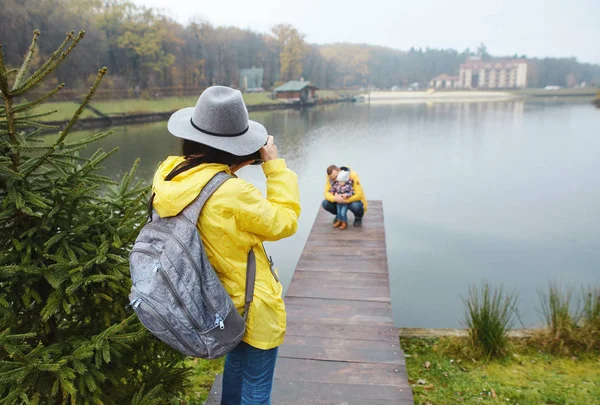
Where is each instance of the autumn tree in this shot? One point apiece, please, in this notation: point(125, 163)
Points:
point(292, 51)
point(140, 46)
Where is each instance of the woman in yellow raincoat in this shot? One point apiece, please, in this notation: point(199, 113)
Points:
point(218, 136)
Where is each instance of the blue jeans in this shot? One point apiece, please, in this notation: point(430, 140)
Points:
point(357, 208)
point(342, 212)
point(248, 376)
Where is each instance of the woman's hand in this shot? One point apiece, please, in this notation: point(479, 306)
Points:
point(269, 151)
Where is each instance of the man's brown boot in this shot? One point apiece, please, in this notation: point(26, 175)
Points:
point(337, 224)
point(344, 225)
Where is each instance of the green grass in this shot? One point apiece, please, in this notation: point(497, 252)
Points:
point(203, 375)
point(526, 377)
point(138, 106)
point(66, 109)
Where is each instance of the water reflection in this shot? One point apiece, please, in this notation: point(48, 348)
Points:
point(506, 191)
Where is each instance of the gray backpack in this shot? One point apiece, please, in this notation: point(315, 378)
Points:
point(176, 294)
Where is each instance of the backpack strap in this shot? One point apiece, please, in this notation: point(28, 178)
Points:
point(192, 213)
point(250, 277)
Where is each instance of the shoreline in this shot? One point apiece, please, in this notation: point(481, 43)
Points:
point(142, 118)
point(423, 333)
point(456, 96)
point(377, 97)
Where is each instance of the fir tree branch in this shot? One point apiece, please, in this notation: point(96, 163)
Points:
point(3, 76)
point(22, 123)
point(8, 112)
point(72, 121)
point(25, 66)
point(46, 70)
point(85, 142)
point(55, 55)
point(24, 148)
point(32, 134)
point(40, 115)
point(28, 106)
point(84, 103)
point(128, 177)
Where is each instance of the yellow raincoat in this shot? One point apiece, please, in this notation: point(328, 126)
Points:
point(359, 194)
point(235, 219)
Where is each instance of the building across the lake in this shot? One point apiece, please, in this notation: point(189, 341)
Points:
point(251, 79)
point(297, 91)
point(444, 81)
point(493, 74)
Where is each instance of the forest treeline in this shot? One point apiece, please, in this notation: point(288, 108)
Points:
point(141, 47)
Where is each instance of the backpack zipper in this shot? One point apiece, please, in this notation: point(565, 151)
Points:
point(189, 255)
point(179, 301)
point(165, 324)
point(218, 321)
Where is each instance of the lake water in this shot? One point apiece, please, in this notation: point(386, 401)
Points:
point(504, 191)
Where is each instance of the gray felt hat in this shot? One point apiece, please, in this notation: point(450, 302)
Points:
point(219, 120)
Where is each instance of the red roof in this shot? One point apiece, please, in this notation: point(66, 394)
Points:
point(444, 76)
point(492, 64)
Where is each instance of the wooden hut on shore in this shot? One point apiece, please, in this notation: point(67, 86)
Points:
point(297, 91)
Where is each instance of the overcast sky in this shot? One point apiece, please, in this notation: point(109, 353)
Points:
point(531, 27)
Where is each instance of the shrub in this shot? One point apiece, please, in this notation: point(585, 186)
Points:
point(558, 306)
point(67, 334)
point(591, 307)
point(591, 317)
point(572, 320)
point(489, 314)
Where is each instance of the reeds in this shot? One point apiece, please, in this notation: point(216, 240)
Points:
point(572, 321)
point(489, 314)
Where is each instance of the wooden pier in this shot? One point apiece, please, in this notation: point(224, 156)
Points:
point(341, 345)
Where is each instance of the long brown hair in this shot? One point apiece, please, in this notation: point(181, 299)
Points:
point(196, 154)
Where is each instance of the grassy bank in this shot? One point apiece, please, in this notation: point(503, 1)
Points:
point(139, 106)
point(441, 372)
point(571, 92)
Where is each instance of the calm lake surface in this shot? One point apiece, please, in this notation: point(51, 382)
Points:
point(503, 191)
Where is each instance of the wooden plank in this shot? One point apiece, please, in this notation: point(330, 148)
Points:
point(356, 266)
point(291, 392)
point(341, 252)
point(362, 233)
point(349, 244)
point(376, 293)
point(375, 264)
point(343, 278)
point(386, 333)
point(338, 268)
point(340, 372)
point(340, 285)
point(340, 349)
point(364, 313)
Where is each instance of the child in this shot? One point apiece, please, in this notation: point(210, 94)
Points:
point(344, 187)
